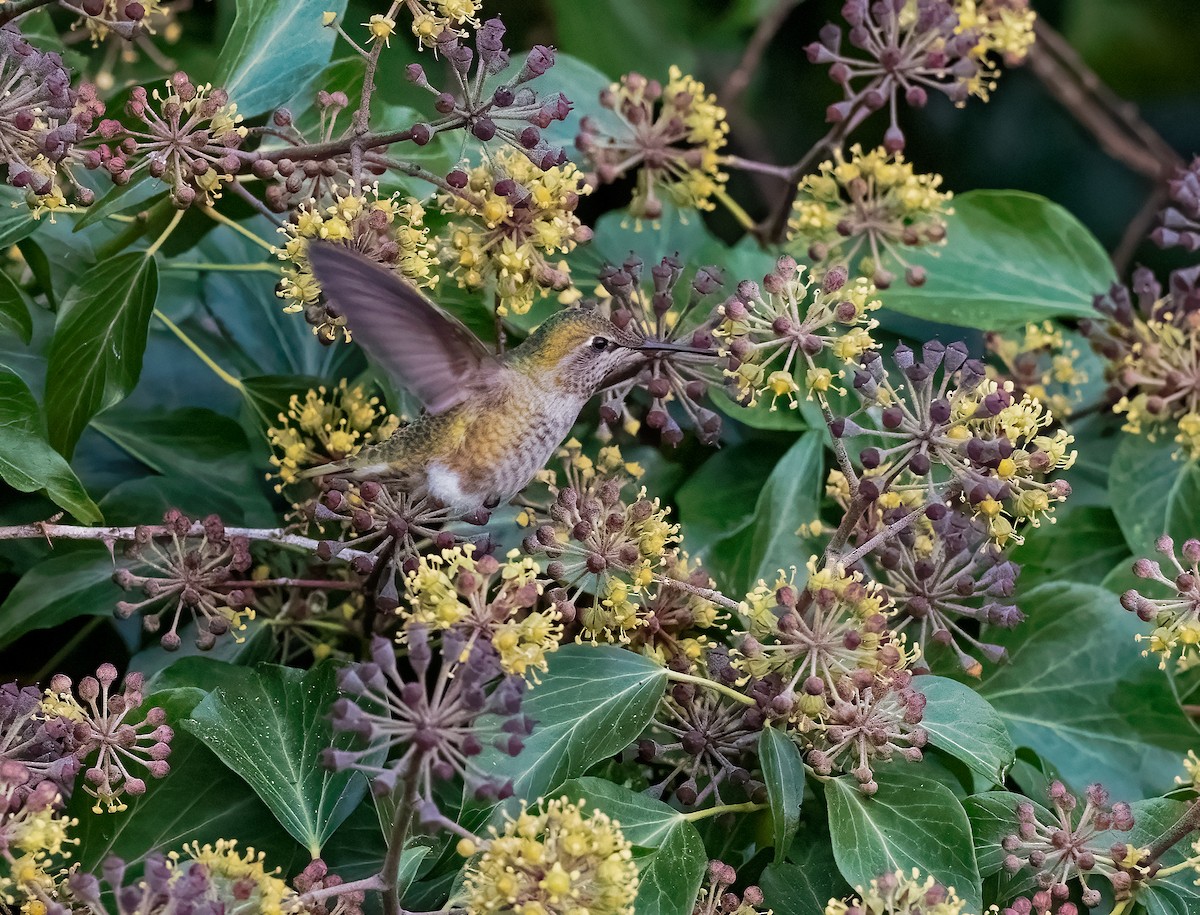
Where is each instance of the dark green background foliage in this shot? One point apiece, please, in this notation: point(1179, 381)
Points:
point(146, 426)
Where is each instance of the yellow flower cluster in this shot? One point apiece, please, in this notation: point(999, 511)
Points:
point(1163, 351)
point(900, 894)
point(326, 425)
point(674, 620)
point(237, 876)
point(558, 861)
point(1005, 27)
point(385, 229)
point(1042, 363)
point(1191, 768)
point(863, 210)
point(772, 332)
point(505, 239)
point(487, 599)
point(430, 19)
point(676, 148)
point(33, 843)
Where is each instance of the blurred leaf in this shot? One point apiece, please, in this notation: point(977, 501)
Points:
point(759, 416)
point(1009, 258)
point(791, 497)
point(783, 774)
point(1083, 545)
point(962, 723)
point(16, 222)
point(123, 198)
point(148, 499)
point(155, 662)
point(669, 877)
point(200, 445)
point(96, 355)
point(622, 35)
point(1153, 493)
point(717, 500)
point(273, 49)
point(1077, 691)
point(807, 880)
point(911, 821)
point(27, 462)
point(60, 589)
point(592, 702)
point(14, 310)
point(582, 84)
point(199, 801)
point(271, 731)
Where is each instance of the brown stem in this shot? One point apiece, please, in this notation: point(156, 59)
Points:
point(362, 115)
point(854, 511)
point(11, 9)
point(401, 821)
point(367, 884)
point(1184, 826)
point(327, 150)
point(1139, 227)
point(293, 583)
point(111, 535)
point(839, 446)
point(886, 534)
point(737, 81)
point(1113, 121)
point(707, 593)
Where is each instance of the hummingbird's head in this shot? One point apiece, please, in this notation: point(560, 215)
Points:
point(575, 350)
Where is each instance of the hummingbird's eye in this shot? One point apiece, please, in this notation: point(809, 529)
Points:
point(600, 344)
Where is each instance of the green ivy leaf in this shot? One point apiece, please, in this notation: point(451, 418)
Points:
point(669, 877)
point(783, 774)
point(911, 821)
point(808, 879)
point(592, 702)
point(59, 589)
point(200, 800)
point(14, 310)
point(273, 49)
point(16, 222)
point(27, 462)
point(1153, 493)
point(961, 722)
point(271, 729)
point(96, 355)
point(1078, 692)
point(1009, 258)
point(792, 497)
point(993, 815)
point(1085, 544)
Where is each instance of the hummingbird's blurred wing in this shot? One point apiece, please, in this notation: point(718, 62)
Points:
point(425, 350)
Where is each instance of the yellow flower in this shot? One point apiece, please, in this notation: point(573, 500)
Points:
point(381, 28)
point(557, 861)
point(901, 894)
point(243, 876)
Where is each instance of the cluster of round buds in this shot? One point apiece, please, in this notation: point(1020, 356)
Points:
point(507, 218)
point(485, 602)
point(865, 211)
point(557, 861)
point(316, 879)
point(900, 894)
point(428, 713)
point(386, 524)
point(1064, 843)
point(770, 332)
point(297, 181)
point(1044, 364)
point(680, 378)
point(909, 47)
point(1042, 902)
point(705, 742)
point(676, 619)
point(33, 841)
point(718, 897)
point(188, 567)
point(599, 544)
point(1176, 618)
point(942, 573)
point(327, 425)
point(950, 434)
point(387, 230)
point(124, 18)
point(871, 717)
point(1180, 222)
point(42, 119)
point(671, 135)
point(100, 726)
point(815, 636)
point(40, 744)
point(512, 113)
point(190, 138)
point(1153, 350)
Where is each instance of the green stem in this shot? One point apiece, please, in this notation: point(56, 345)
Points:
point(200, 354)
point(240, 229)
point(166, 233)
point(72, 643)
point(179, 267)
point(401, 821)
point(710, 684)
point(735, 209)
point(747, 807)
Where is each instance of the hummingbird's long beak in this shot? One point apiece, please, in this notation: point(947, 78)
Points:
point(656, 346)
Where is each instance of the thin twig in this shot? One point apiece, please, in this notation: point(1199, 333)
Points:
point(1184, 826)
point(401, 821)
point(737, 81)
point(884, 535)
point(1139, 227)
point(11, 9)
point(707, 593)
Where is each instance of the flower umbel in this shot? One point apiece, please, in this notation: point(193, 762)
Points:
point(1042, 363)
point(900, 894)
point(671, 135)
point(718, 897)
point(863, 211)
point(557, 861)
point(1176, 618)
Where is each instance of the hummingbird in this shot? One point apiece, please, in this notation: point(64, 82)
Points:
point(491, 422)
